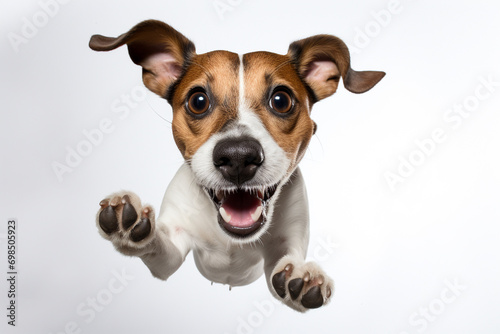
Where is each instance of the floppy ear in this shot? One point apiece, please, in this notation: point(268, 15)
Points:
point(322, 59)
point(161, 50)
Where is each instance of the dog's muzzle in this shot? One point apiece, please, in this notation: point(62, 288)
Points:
point(242, 208)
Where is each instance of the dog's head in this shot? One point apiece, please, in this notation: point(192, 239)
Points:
point(242, 122)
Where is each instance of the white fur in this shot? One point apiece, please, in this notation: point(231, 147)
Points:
point(187, 221)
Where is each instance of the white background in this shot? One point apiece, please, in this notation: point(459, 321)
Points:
point(393, 252)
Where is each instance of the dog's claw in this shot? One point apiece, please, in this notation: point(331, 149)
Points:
point(114, 202)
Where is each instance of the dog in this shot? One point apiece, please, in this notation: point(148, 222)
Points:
point(242, 124)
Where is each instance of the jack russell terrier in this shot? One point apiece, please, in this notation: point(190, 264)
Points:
point(242, 124)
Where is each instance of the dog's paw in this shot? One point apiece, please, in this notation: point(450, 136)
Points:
point(302, 286)
point(126, 223)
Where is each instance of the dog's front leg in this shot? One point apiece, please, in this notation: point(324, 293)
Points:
point(299, 284)
point(161, 243)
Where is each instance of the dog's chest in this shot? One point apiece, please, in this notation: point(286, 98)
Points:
point(234, 266)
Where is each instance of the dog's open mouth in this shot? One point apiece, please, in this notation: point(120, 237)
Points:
point(242, 212)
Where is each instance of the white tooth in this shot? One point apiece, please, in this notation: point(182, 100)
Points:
point(224, 215)
point(257, 213)
point(262, 192)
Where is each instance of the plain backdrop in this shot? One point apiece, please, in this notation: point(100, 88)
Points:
point(403, 181)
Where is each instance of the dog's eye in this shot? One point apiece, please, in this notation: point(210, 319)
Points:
point(281, 102)
point(198, 103)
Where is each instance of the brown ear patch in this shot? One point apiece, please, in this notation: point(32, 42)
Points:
point(321, 59)
point(160, 49)
point(362, 81)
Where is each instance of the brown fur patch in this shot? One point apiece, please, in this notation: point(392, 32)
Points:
point(217, 73)
point(265, 71)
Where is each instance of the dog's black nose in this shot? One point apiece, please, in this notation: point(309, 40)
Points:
point(238, 159)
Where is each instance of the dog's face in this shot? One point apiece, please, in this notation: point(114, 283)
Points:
point(243, 125)
point(242, 122)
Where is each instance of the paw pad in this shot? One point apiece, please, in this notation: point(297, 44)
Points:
point(141, 230)
point(129, 215)
point(295, 287)
point(108, 220)
point(312, 298)
point(279, 281)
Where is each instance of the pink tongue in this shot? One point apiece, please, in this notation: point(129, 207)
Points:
point(240, 207)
